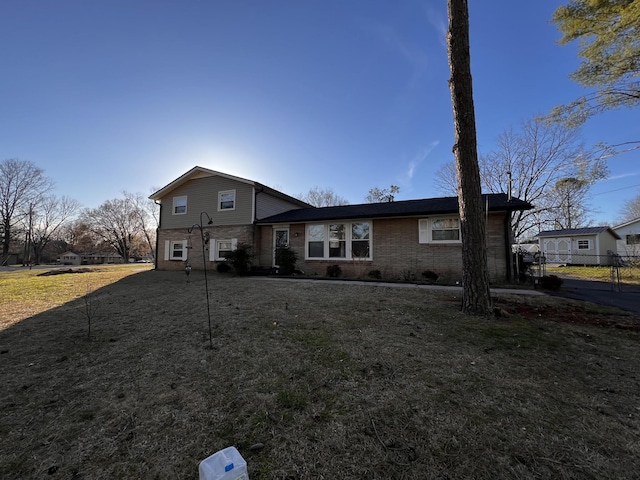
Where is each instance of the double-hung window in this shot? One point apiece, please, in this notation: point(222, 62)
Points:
point(347, 241)
point(360, 238)
point(439, 230)
point(219, 249)
point(175, 250)
point(180, 205)
point(227, 200)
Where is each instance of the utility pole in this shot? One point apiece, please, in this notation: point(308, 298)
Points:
point(28, 239)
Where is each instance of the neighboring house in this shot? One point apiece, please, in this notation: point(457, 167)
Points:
point(69, 258)
point(100, 258)
point(9, 259)
point(628, 246)
point(398, 239)
point(579, 246)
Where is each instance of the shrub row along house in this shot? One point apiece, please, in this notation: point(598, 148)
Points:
point(398, 240)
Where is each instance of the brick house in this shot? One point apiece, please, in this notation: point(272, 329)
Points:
point(399, 239)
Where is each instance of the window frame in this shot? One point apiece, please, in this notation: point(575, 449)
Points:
point(183, 250)
point(341, 242)
point(425, 230)
point(220, 200)
point(634, 237)
point(581, 241)
point(214, 248)
point(176, 205)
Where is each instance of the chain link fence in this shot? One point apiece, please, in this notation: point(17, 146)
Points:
point(618, 270)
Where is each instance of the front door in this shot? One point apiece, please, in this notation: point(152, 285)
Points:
point(280, 239)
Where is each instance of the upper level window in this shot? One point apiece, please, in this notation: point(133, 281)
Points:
point(227, 200)
point(180, 205)
point(339, 241)
point(439, 230)
point(633, 239)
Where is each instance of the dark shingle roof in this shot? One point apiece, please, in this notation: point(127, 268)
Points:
point(567, 232)
point(406, 208)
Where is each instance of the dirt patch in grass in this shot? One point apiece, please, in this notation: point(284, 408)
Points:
point(65, 271)
point(568, 311)
point(316, 381)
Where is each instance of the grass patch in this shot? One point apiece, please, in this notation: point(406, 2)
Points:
point(313, 380)
point(628, 274)
point(29, 292)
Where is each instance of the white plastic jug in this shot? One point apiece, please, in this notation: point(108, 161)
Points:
point(227, 464)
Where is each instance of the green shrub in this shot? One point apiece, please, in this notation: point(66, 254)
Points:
point(377, 274)
point(550, 282)
point(430, 276)
point(223, 267)
point(408, 276)
point(334, 271)
point(240, 258)
point(286, 259)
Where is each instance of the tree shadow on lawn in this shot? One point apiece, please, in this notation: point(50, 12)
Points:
point(313, 380)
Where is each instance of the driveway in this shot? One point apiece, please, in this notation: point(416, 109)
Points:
point(602, 293)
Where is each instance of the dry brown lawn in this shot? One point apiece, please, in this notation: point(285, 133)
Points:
point(309, 381)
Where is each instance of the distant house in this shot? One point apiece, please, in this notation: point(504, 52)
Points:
point(395, 239)
point(628, 246)
point(580, 246)
point(69, 258)
point(100, 258)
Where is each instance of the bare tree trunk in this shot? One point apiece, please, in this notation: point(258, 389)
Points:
point(476, 297)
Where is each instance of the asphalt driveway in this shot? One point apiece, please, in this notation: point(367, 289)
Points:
point(627, 297)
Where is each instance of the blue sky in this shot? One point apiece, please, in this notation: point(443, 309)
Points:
point(117, 95)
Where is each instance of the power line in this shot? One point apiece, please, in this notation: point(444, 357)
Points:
point(616, 190)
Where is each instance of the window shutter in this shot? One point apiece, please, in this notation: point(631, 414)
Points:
point(212, 249)
point(234, 244)
point(185, 251)
point(167, 249)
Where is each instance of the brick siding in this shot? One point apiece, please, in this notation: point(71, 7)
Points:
point(246, 234)
point(397, 252)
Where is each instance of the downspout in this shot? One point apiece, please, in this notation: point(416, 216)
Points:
point(255, 213)
point(158, 233)
point(507, 244)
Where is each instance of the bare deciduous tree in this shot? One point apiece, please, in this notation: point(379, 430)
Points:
point(630, 209)
point(146, 212)
point(531, 161)
point(117, 223)
point(380, 195)
point(446, 179)
point(476, 297)
point(322, 197)
point(48, 218)
point(22, 185)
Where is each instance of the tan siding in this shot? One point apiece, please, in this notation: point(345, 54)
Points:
point(267, 205)
point(202, 196)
